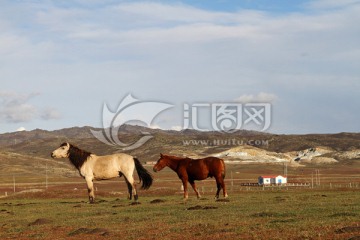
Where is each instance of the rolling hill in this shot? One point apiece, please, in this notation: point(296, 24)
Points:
point(27, 151)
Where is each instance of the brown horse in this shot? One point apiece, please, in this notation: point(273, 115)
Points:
point(190, 170)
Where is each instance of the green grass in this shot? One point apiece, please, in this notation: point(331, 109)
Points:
point(303, 214)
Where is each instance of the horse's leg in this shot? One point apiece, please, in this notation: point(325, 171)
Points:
point(192, 182)
point(184, 181)
point(90, 186)
point(221, 179)
point(222, 182)
point(218, 189)
point(128, 184)
point(131, 186)
point(220, 185)
point(129, 189)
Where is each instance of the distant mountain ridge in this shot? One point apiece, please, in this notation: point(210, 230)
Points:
point(17, 137)
point(28, 152)
point(12, 138)
point(40, 142)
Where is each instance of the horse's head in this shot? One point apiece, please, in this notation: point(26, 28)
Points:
point(161, 163)
point(62, 151)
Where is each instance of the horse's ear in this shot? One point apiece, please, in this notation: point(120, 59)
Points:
point(161, 155)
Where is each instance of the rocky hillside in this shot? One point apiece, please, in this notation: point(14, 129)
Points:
point(241, 146)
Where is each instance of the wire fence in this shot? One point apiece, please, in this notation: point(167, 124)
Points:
point(18, 183)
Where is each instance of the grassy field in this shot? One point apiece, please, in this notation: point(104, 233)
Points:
point(61, 211)
point(43, 198)
point(280, 214)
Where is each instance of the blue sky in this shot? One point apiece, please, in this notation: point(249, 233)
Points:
point(275, 6)
point(60, 61)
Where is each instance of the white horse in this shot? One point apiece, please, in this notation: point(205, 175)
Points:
point(92, 167)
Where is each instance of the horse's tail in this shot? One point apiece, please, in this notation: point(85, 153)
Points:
point(144, 176)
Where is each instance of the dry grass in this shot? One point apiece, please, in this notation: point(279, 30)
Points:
point(302, 214)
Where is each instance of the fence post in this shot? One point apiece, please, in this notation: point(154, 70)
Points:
point(46, 178)
point(14, 183)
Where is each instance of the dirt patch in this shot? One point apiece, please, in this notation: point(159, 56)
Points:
point(6, 212)
point(23, 204)
point(348, 229)
point(318, 195)
point(265, 214)
point(343, 214)
point(117, 206)
point(281, 199)
point(97, 231)
point(210, 207)
point(223, 200)
point(40, 221)
point(134, 203)
point(68, 202)
point(354, 238)
point(157, 201)
point(79, 231)
point(283, 221)
point(198, 207)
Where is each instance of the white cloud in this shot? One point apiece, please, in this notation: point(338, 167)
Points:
point(177, 128)
point(20, 129)
point(167, 15)
point(154, 126)
point(260, 98)
point(19, 113)
point(16, 108)
point(49, 114)
point(321, 4)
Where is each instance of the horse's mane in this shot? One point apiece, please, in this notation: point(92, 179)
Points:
point(77, 156)
point(175, 157)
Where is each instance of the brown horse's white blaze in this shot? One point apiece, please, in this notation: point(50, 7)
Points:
point(190, 170)
point(92, 167)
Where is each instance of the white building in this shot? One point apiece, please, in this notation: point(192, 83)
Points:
point(272, 180)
